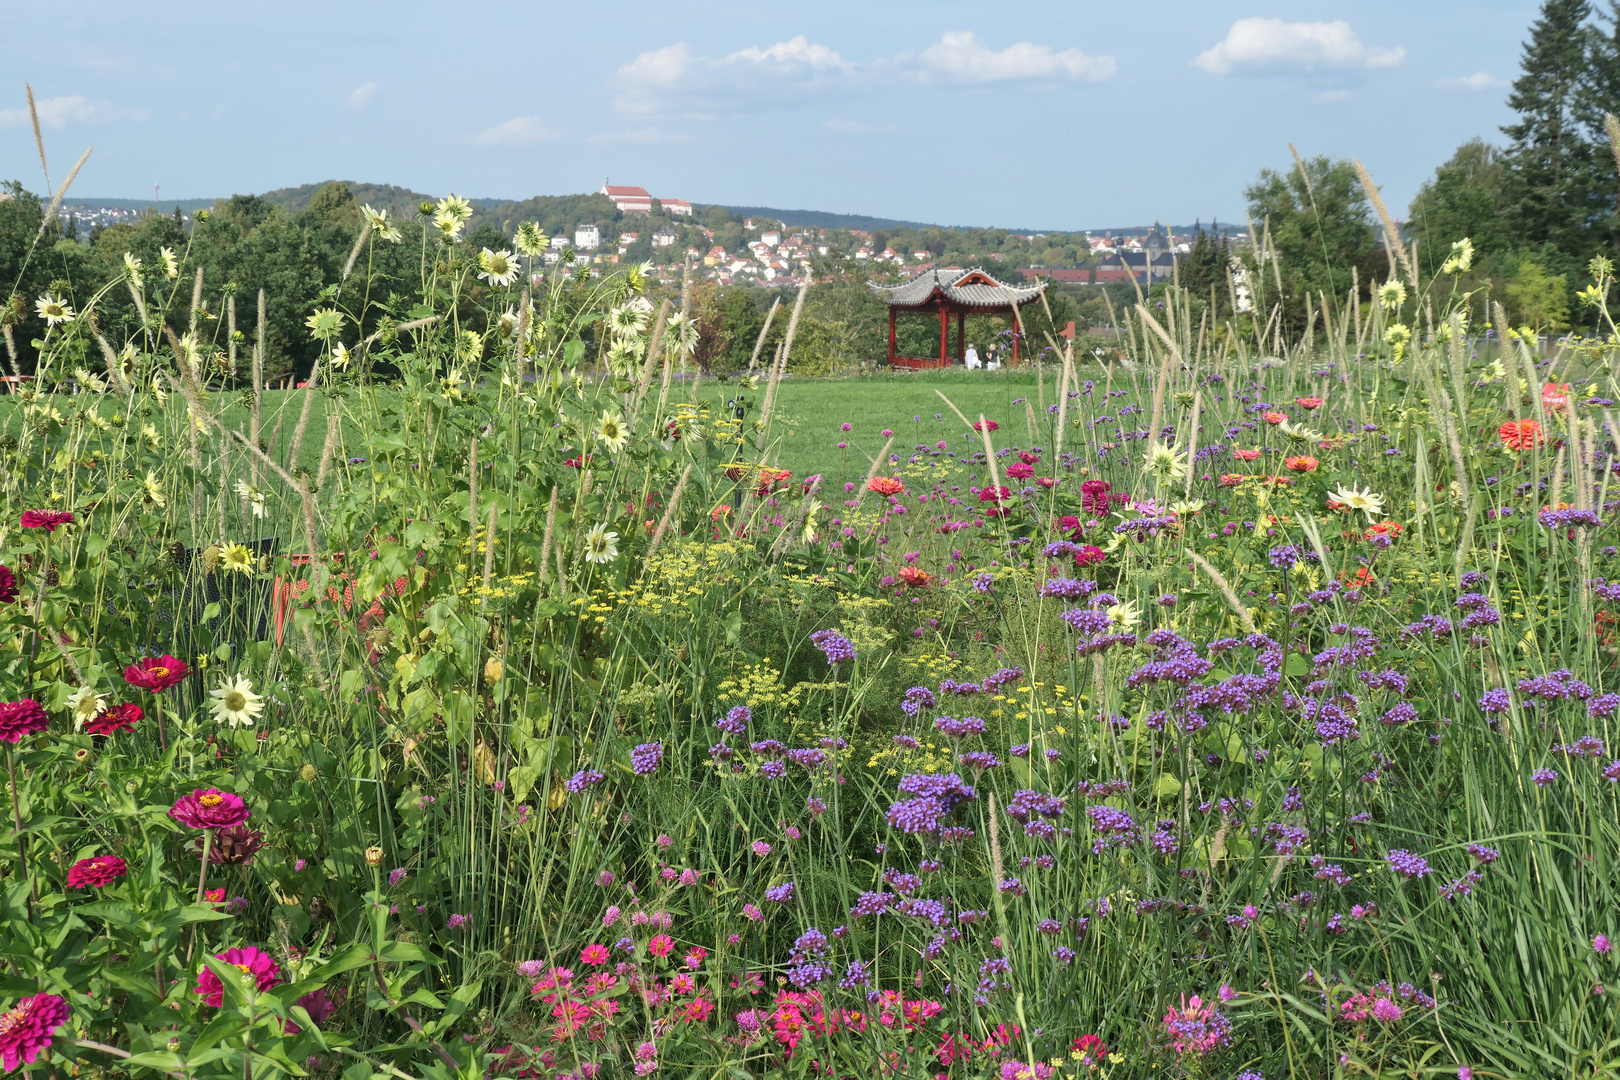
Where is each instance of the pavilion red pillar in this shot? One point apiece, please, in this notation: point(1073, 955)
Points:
point(961, 335)
point(891, 335)
point(944, 333)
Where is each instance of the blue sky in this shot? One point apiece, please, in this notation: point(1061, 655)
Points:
point(1033, 114)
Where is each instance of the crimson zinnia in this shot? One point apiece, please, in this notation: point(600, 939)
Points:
point(96, 872)
point(156, 673)
point(210, 809)
point(28, 1027)
point(8, 585)
point(118, 718)
point(19, 718)
point(46, 519)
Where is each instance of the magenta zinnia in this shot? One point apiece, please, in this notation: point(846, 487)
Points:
point(96, 872)
point(210, 809)
point(8, 585)
point(19, 718)
point(249, 961)
point(46, 519)
point(156, 673)
point(118, 718)
point(27, 1027)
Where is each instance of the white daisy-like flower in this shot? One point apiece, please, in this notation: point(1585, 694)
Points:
point(340, 356)
point(1391, 294)
point(1163, 462)
point(497, 267)
point(381, 227)
point(530, 240)
point(252, 496)
point(627, 321)
point(611, 430)
point(53, 309)
point(235, 703)
point(132, 269)
point(601, 545)
point(449, 226)
point(454, 206)
point(89, 380)
point(171, 264)
point(1299, 434)
point(84, 705)
point(1124, 616)
point(1356, 499)
point(152, 491)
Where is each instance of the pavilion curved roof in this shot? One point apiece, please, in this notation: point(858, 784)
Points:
point(972, 287)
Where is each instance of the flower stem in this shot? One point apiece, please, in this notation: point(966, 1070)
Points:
point(16, 817)
point(163, 738)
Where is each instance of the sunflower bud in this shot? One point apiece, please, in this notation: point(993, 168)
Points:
point(307, 773)
point(374, 856)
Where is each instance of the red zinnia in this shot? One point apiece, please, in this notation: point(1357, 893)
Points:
point(19, 718)
point(156, 674)
point(118, 718)
point(249, 961)
point(1019, 471)
point(914, 577)
point(1232, 479)
point(1521, 435)
point(986, 425)
point(210, 809)
point(1274, 418)
point(46, 519)
point(1245, 455)
point(1391, 529)
point(1089, 554)
point(1308, 402)
point(885, 485)
point(1302, 463)
point(8, 585)
point(28, 1027)
point(1555, 397)
point(994, 494)
point(96, 872)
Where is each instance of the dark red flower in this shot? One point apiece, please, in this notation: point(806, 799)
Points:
point(986, 425)
point(19, 718)
point(234, 845)
point(250, 961)
point(46, 519)
point(209, 809)
point(156, 674)
point(118, 718)
point(95, 872)
point(319, 1006)
point(8, 585)
point(28, 1027)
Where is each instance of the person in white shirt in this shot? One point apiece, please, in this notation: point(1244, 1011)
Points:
point(971, 357)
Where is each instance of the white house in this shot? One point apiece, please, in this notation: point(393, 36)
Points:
point(559, 242)
point(663, 237)
point(676, 207)
point(770, 239)
point(629, 200)
point(587, 237)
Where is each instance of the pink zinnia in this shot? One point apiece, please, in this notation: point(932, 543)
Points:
point(594, 955)
point(249, 961)
point(96, 872)
point(8, 585)
point(118, 718)
point(156, 674)
point(27, 1028)
point(661, 945)
point(19, 718)
point(47, 520)
point(210, 809)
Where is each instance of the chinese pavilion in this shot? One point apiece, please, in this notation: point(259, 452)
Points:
point(948, 292)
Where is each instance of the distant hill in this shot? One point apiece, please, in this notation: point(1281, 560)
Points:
point(162, 205)
point(822, 219)
point(399, 202)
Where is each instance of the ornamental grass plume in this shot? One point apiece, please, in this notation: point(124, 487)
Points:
point(210, 809)
point(250, 961)
point(28, 1027)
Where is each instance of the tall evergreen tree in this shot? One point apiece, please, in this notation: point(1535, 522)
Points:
point(1598, 92)
point(1548, 154)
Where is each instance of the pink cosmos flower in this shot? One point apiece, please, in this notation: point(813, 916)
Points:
point(249, 961)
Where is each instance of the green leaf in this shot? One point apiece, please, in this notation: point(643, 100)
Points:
point(406, 952)
point(355, 956)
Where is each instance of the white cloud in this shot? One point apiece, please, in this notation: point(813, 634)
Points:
point(60, 111)
point(1479, 80)
point(676, 79)
point(1264, 45)
point(959, 57)
point(518, 131)
point(1331, 97)
point(361, 96)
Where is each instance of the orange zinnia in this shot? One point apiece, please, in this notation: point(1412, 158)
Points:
point(914, 577)
point(1391, 529)
point(1520, 435)
point(1232, 479)
point(885, 485)
point(1245, 455)
point(1302, 463)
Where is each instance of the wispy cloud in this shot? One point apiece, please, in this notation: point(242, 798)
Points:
point(855, 127)
point(60, 111)
point(1331, 97)
point(1479, 80)
point(959, 57)
point(1273, 45)
point(677, 79)
point(518, 131)
point(361, 96)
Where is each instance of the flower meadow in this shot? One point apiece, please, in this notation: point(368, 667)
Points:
point(1240, 708)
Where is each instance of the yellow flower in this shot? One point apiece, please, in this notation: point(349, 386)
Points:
point(325, 323)
point(235, 703)
point(237, 557)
